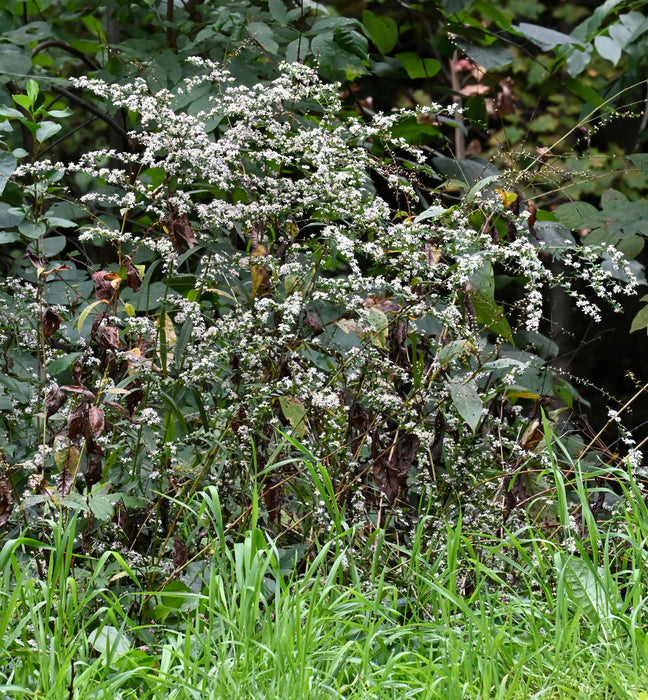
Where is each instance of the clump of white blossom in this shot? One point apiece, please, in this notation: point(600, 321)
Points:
point(318, 306)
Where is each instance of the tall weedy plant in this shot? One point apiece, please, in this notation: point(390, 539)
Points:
point(270, 266)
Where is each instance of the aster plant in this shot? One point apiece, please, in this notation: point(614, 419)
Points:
point(286, 305)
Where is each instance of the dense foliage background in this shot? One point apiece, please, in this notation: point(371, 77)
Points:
point(328, 274)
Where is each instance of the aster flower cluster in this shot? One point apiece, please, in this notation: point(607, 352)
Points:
point(310, 304)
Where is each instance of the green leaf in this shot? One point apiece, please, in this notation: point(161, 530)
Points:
point(10, 112)
point(608, 48)
point(46, 130)
point(476, 112)
point(32, 90)
point(451, 7)
point(263, 35)
point(577, 61)
point(545, 38)
point(640, 160)
point(7, 166)
point(631, 247)
point(418, 67)
point(584, 581)
point(380, 325)
point(579, 215)
point(24, 101)
point(84, 314)
point(585, 92)
point(94, 25)
point(434, 212)
point(13, 62)
point(490, 314)
point(640, 320)
point(31, 229)
point(295, 413)
point(109, 639)
point(60, 364)
point(53, 245)
point(383, 31)
point(8, 237)
point(489, 57)
point(279, 11)
point(352, 41)
point(501, 19)
point(467, 402)
point(468, 170)
point(297, 50)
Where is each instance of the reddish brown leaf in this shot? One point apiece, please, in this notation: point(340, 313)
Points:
point(78, 421)
point(107, 284)
point(179, 229)
point(54, 400)
point(506, 99)
point(180, 552)
point(77, 368)
point(94, 471)
point(118, 407)
point(64, 482)
point(133, 279)
point(34, 259)
point(272, 498)
point(134, 397)
point(96, 420)
point(78, 389)
point(107, 337)
point(315, 322)
point(391, 467)
point(50, 321)
point(381, 304)
point(6, 498)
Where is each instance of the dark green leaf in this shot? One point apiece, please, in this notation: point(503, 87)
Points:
point(7, 166)
point(608, 48)
point(545, 38)
point(451, 7)
point(640, 320)
point(46, 130)
point(579, 215)
point(467, 402)
point(262, 34)
point(489, 57)
point(278, 11)
point(383, 31)
point(490, 314)
point(418, 67)
point(352, 42)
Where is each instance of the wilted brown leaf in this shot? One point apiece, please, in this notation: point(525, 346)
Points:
point(107, 284)
point(260, 275)
point(78, 421)
point(381, 304)
point(180, 552)
point(50, 322)
point(179, 229)
point(391, 467)
point(64, 482)
point(96, 420)
point(133, 280)
point(94, 471)
point(54, 400)
point(107, 337)
point(6, 498)
point(135, 396)
point(78, 389)
point(506, 99)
